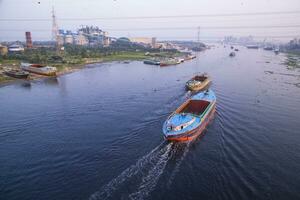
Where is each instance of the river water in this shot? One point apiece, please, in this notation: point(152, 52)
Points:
point(97, 133)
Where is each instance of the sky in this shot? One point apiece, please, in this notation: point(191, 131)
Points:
point(187, 27)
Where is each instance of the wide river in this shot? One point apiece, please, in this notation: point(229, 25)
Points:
point(97, 133)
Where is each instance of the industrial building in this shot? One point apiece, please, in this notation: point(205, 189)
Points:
point(80, 39)
point(3, 50)
point(145, 41)
point(15, 48)
point(86, 35)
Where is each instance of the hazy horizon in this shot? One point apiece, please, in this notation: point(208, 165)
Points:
point(41, 30)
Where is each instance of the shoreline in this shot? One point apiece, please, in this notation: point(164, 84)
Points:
point(62, 69)
point(66, 68)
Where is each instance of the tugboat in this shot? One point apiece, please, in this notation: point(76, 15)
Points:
point(39, 69)
point(191, 118)
point(16, 73)
point(198, 82)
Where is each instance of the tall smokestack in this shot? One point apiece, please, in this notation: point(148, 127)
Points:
point(28, 40)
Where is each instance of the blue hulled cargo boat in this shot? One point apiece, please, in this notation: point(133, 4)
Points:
point(191, 118)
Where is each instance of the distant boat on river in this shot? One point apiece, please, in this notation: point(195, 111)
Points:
point(232, 54)
point(268, 48)
point(198, 82)
point(191, 118)
point(252, 46)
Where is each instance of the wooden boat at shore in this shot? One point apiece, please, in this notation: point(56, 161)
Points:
point(15, 73)
point(33, 65)
point(44, 70)
point(191, 118)
point(198, 82)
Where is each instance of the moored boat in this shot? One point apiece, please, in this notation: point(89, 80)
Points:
point(252, 46)
point(198, 82)
point(191, 118)
point(168, 62)
point(189, 57)
point(268, 48)
point(46, 70)
point(151, 62)
point(181, 60)
point(16, 73)
point(32, 65)
point(232, 54)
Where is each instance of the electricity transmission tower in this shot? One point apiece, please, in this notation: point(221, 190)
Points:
point(54, 27)
point(198, 35)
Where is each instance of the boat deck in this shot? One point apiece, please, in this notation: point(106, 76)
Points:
point(196, 107)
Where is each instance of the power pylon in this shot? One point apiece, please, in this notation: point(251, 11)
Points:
point(54, 28)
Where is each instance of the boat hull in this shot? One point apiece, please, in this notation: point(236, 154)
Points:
point(167, 64)
point(15, 75)
point(193, 134)
point(39, 71)
point(252, 47)
point(150, 62)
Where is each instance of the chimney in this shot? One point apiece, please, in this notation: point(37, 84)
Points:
point(28, 40)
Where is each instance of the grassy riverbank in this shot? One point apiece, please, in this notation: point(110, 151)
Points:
point(70, 62)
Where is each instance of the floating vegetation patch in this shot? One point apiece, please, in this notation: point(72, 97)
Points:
point(297, 85)
point(292, 61)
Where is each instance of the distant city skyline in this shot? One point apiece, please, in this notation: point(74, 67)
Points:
point(280, 26)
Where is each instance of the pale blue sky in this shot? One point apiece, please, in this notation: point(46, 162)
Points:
point(23, 9)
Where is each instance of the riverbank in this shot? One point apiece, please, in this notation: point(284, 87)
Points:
point(74, 64)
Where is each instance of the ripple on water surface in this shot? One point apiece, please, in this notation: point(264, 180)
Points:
point(96, 133)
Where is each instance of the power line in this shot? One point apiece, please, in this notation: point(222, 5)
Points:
point(208, 27)
point(173, 28)
point(190, 37)
point(159, 17)
point(221, 37)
